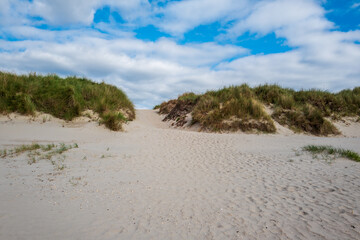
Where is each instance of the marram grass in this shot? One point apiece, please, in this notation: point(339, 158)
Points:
point(64, 98)
point(242, 107)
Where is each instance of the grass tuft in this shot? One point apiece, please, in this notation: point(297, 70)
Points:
point(329, 150)
point(34, 154)
point(25, 148)
point(113, 121)
point(189, 97)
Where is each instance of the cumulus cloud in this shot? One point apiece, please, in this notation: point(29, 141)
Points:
point(159, 69)
point(327, 54)
point(13, 12)
point(64, 11)
point(70, 12)
point(269, 16)
point(181, 16)
point(153, 71)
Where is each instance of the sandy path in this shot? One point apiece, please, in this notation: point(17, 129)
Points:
point(152, 182)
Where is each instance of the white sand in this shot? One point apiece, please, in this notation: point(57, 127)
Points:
point(161, 183)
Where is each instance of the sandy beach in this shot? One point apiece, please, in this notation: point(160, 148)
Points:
point(155, 182)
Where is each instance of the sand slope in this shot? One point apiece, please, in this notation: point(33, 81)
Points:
point(152, 182)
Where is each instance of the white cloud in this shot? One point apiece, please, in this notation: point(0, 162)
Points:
point(150, 72)
point(355, 5)
point(158, 69)
point(179, 17)
point(70, 12)
point(269, 16)
point(328, 55)
point(12, 12)
point(293, 70)
point(64, 11)
point(138, 11)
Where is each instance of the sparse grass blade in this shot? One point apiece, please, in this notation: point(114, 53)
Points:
point(46, 152)
point(329, 150)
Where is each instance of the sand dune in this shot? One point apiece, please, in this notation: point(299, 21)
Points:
point(154, 182)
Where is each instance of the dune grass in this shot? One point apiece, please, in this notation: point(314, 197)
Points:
point(306, 110)
point(232, 108)
point(189, 97)
point(329, 150)
point(64, 98)
point(229, 109)
point(344, 103)
point(242, 107)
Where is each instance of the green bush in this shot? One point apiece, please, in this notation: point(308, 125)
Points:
point(113, 120)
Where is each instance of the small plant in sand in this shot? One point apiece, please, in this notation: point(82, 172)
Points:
point(106, 156)
point(331, 151)
point(25, 148)
point(3, 153)
point(38, 152)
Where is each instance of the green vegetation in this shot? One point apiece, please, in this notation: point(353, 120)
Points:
point(329, 150)
point(25, 148)
point(64, 98)
point(113, 120)
point(189, 97)
point(38, 152)
point(241, 107)
point(305, 111)
point(228, 109)
point(156, 107)
point(232, 108)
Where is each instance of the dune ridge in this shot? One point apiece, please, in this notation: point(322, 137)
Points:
point(262, 109)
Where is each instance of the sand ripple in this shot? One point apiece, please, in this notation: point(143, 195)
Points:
point(158, 183)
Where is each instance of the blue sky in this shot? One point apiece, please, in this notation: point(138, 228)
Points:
point(156, 50)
